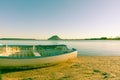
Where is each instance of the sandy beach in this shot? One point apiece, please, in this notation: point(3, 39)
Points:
point(82, 68)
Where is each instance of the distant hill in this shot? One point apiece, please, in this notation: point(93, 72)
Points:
point(55, 37)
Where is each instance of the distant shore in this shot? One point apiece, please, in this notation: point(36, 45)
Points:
point(82, 68)
point(16, 39)
point(60, 39)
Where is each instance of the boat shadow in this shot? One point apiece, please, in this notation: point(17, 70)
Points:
point(4, 71)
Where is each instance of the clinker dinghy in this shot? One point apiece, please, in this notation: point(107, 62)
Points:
point(33, 56)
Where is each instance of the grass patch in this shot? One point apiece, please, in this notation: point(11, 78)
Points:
point(65, 77)
point(104, 74)
point(27, 79)
point(75, 66)
point(96, 71)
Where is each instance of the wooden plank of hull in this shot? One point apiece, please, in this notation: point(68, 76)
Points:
point(26, 63)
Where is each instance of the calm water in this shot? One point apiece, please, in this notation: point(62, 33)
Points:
point(84, 47)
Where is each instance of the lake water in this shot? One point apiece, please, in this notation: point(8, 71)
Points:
point(84, 47)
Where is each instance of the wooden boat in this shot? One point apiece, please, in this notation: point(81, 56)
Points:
point(33, 56)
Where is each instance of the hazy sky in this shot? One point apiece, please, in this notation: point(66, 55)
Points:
point(66, 18)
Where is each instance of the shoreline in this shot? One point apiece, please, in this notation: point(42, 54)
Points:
point(82, 68)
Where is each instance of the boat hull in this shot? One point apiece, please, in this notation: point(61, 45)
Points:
point(34, 62)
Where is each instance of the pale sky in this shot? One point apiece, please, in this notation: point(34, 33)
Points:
point(41, 19)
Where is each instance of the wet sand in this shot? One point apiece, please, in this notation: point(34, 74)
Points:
point(82, 68)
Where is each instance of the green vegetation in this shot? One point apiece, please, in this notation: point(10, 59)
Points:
point(103, 38)
point(55, 37)
point(15, 39)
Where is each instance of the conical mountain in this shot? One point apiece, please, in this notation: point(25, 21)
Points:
point(55, 37)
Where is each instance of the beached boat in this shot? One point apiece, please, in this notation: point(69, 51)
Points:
point(33, 56)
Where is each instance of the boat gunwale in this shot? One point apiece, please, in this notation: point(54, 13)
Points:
point(33, 57)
